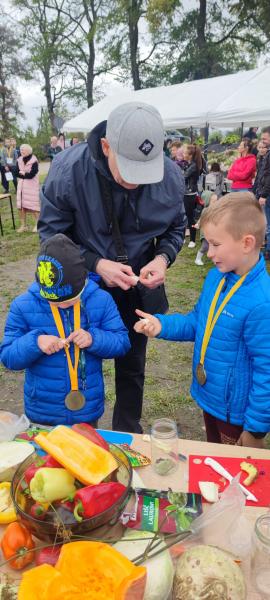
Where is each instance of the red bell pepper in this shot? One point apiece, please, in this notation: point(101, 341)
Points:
point(48, 555)
point(94, 499)
point(51, 462)
point(91, 434)
point(38, 511)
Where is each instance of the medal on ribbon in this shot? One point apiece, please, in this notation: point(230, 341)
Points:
point(212, 318)
point(74, 400)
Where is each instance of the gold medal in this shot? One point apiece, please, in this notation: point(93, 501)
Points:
point(201, 374)
point(74, 400)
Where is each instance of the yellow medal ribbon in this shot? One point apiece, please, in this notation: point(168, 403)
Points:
point(73, 369)
point(211, 321)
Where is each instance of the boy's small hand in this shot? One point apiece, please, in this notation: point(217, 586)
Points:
point(247, 439)
point(49, 344)
point(81, 338)
point(148, 324)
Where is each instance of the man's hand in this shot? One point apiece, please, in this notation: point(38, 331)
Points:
point(154, 273)
point(49, 344)
point(148, 324)
point(115, 274)
point(247, 439)
point(81, 338)
point(262, 201)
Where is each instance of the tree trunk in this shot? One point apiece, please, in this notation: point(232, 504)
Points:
point(50, 100)
point(200, 72)
point(90, 74)
point(133, 18)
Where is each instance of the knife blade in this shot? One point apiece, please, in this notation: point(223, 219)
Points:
point(224, 473)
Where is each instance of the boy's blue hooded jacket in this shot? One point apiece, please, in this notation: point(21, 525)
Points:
point(237, 359)
point(47, 378)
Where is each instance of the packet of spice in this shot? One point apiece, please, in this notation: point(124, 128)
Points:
point(164, 511)
point(136, 458)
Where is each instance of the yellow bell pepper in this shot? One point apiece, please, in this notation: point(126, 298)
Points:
point(49, 485)
point(7, 510)
point(86, 461)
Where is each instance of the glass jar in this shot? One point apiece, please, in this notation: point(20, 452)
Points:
point(164, 446)
point(260, 558)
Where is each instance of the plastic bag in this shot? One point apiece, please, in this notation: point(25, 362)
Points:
point(11, 425)
point(223, 525)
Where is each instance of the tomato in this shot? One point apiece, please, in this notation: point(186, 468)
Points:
point(16, 542)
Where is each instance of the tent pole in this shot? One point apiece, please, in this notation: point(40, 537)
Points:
point(242, 129)
point(206, 136)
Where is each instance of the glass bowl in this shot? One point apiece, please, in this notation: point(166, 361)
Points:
point(60, 523)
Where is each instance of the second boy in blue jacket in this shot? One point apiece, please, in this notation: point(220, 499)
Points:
point(230, 325)
point(59, 331)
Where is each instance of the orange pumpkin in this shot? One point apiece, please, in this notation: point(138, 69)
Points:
point(85, 571)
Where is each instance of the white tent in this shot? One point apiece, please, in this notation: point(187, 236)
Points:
point(220, 101)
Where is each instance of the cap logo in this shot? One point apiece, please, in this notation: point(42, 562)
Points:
point(146, 147)
point(50, 275)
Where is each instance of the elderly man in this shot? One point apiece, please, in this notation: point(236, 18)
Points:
point(54, 148)
point(122, 201)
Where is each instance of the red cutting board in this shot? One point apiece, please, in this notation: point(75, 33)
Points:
point(260, 487)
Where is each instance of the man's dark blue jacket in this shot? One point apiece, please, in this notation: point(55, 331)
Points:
point(151, 218)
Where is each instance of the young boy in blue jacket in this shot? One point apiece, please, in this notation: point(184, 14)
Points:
point(59, 331)
point(230, 325)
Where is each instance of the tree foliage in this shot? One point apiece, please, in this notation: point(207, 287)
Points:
point(11, 69)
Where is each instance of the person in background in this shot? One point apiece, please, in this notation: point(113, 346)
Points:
point(262, 183)
point(74, 140)
point(207, 197)
point(191, 172)
point(230, 325)
point(243, 170)
point(166, 147)
point(11, 159)
point(28, 186)
point(214, 180)
point(61, 141)
point(176, 151)
point(62, 310)
point(121, 173)
point(262, 151)
point(251, 134)
point(54, 148)
point(3, 162)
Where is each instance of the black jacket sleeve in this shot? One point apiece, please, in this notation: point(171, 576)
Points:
point(265, 191)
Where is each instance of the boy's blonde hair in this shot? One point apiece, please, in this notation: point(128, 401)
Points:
point(241, 214)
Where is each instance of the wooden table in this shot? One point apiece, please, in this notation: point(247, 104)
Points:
point(179, 480)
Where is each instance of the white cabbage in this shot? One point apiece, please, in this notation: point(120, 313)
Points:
point(160, 570)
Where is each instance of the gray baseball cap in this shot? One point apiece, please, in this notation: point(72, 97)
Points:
point(136, 135)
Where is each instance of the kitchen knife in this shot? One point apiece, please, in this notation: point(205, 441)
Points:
point(220, 469)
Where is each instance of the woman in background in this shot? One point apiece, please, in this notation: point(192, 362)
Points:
point(28, 186)
point(191, 172)
point(242, 171)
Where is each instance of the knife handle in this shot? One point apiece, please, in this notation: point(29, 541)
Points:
point(218, 468)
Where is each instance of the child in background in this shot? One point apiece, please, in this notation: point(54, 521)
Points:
point(207, 197)
point(59, 331)
point(230, 325)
